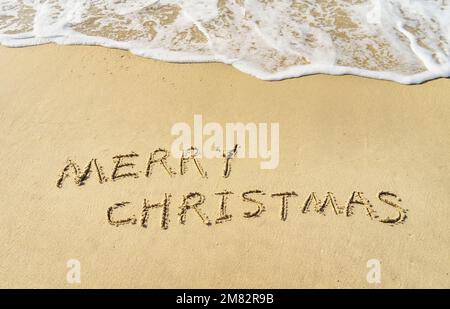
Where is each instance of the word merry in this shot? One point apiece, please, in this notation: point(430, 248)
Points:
point(124, 166)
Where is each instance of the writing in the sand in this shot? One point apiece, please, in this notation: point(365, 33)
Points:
point(254, 201)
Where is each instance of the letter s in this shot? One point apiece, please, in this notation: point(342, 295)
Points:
point(386, 197)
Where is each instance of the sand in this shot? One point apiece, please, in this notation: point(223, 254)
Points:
point(338, 134)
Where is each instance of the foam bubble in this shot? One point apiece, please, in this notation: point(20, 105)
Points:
point(407, 41)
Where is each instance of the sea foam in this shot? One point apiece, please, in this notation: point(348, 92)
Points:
point(407, 41)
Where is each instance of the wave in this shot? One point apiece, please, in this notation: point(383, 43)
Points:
point(407, 41)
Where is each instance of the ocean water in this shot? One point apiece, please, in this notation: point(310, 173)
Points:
point(407, 41)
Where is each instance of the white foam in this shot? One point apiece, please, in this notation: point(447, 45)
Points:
point(407, 41)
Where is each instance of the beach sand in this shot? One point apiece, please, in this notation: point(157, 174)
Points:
point(338, 134)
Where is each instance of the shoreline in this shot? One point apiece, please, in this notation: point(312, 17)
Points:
point(291, 73)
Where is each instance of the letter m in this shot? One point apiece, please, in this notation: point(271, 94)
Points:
point(71, 169)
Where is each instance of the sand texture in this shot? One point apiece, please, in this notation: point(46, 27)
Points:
point(344, 138)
